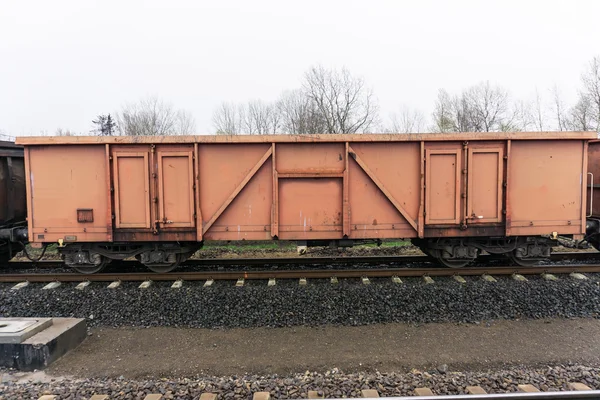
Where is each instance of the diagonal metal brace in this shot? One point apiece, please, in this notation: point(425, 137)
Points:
point(237, 190)
point(381, 187)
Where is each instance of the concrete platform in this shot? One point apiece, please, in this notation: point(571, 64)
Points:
point(16, 330)
point(34, 343)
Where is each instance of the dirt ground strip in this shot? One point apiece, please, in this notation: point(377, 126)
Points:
point(172, 352)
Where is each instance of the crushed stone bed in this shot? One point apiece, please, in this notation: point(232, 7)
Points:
point(333, 384)
point(319, 303)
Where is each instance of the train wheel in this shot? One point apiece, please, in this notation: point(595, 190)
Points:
point(85, 261)
point(90, 268)
point(164, 268)
point(523, 262)
point(453, 263)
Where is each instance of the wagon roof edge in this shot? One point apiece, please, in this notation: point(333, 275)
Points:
point(319, 138)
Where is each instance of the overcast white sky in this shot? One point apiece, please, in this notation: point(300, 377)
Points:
point(62, 62)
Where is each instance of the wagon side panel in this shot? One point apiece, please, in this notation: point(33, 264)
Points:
point(68, 193)
point(235, 191)
point(384, 189)
point(309, 190)
point(546, 187)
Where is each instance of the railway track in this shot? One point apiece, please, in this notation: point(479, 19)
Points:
point(577, 391)
point(546, 270)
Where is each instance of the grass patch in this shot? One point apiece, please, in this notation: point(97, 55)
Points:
point(266, 245)
point(390, 243)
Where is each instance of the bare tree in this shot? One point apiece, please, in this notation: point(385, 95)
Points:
point(184, 123)
point(254, 118)
point(538, 114)
point(480, 108)
point(64, 132)
point(344, 102)
point(406, 121)
point(559, 110)
point(591, 84)
point(443, 113)
point(299, 114)
point(487, 107)
point(153, 117)
point(227, 119)
point(582, 114)
point(261, 118)
point(518, 118)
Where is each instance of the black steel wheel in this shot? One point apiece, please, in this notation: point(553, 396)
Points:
point(453, 263)
point(88, 269)
point(163, 269)
point(523, 262)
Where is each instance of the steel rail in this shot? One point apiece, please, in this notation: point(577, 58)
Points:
point(298, 274)
point(571, 395)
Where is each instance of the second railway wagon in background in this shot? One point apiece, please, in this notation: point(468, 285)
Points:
point(159, 198)
point(13, 211)
point(593, 221)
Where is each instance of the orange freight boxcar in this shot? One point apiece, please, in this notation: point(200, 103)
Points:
point(159, 198)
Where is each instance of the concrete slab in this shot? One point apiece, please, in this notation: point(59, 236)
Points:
point(519, 277)
point(549, 277)
point(51, 286)
point(20, 285)
point(153, 397)
point(16, 330)
point(44, 347)
point(177, 284)
point(475, 390)
point(114, 285)
point(578, 276)
point(527, 388)
point(82, 285)
point(369, 394)
point(261, 396)
point(423, 391)
point(578, 386)
point(145, 285)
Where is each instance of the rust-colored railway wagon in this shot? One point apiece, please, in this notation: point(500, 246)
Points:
point(159, 198)
point(13, 202)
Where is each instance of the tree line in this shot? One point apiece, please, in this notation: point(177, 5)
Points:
point(336, 101)
point(332, 101)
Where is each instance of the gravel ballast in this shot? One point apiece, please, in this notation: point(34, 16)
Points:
point(319, 303)
point(332, 384)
